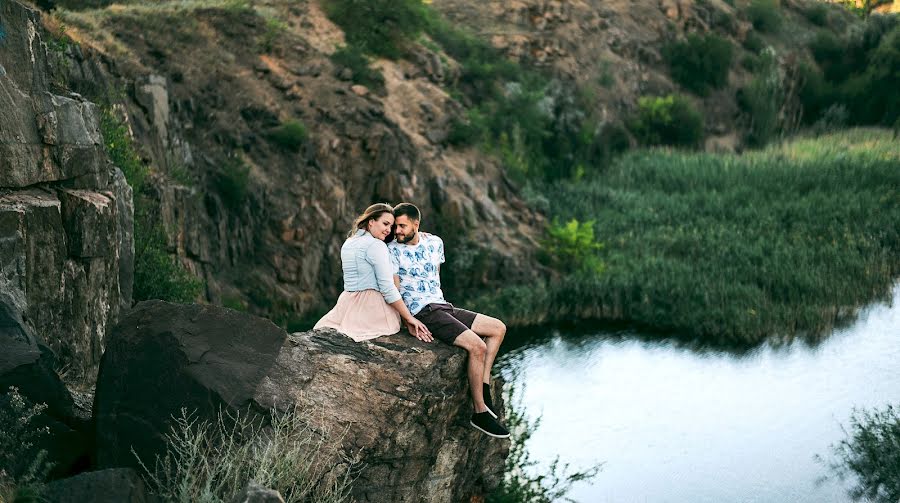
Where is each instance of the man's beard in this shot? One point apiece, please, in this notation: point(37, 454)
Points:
point(407, 239)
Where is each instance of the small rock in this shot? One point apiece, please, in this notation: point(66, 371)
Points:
point(345, 74)
point(359, 90)
point(116, 485)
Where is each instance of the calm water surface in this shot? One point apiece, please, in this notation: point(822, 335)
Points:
point(679, 425)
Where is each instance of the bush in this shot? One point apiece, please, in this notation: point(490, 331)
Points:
point(23, 467)
point(290, 136)
point(670, 120)
point(754, 43)
point(353, 58)
point(762, 99)
point(816, 13)
point(212, 461)
point(232, 182)
point(381, 27)
point(700, 63)
point(765, 15)
point(870, 455)
point(571, 247)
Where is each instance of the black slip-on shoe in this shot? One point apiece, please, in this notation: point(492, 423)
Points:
point(486, 391)
point(485, 422)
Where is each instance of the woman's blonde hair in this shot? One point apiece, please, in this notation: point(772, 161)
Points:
point(371, 213)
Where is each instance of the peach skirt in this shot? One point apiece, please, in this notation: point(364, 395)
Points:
point(361, 316)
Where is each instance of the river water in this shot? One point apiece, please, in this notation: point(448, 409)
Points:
point(673, 424)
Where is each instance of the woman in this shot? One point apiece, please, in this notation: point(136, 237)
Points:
point(370, 304)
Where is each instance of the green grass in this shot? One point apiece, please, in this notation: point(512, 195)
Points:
point(730, 249)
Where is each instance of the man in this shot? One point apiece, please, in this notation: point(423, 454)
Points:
point(417, 257)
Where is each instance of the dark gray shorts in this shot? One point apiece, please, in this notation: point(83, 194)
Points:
point(445, 321)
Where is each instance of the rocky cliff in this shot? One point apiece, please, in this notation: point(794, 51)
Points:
point(208, 90)
point(65, 211)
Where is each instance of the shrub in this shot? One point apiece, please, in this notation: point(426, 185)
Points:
point(212, 461)
point(158, 274)
point(381, 27)
point(23, 467)
point(765, 15)
point(232, 181)
point(816, 13)
point(669, 120)
point(700, 63)
point(275, 29)
point(754, 43)
point(290, 136)
point(870, 455)
point(761, 100)
point(572, 247)
point(353, 58)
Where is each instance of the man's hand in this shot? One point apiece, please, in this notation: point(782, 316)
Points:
point(419, 330)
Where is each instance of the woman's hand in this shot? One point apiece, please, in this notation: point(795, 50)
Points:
point(419, 330)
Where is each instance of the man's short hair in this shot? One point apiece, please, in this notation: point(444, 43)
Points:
point(407, 209)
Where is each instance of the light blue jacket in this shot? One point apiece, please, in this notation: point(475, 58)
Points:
point(367, 266)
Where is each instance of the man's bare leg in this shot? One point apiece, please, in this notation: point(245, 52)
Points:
point(477, 349)
point(493, 331)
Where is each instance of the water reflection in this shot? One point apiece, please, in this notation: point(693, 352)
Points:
point(682, 422)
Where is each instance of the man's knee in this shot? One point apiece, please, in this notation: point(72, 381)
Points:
point(488, 327)
point(470, 341)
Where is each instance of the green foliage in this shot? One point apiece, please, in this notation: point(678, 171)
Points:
point(765, 15)
point(212, 461)
point(232, 182)
point(669, 120)
point(355, 59)
point(870, 455)
point(762, 99)
point(23, 467)
point(157, 274)
point(519, 484)
point(729, 249)
point(700, 64)
point(380, 27)
point(290, 136)
point(275, 29)
point(572, 247)
point(858, 71)
point(754, 43)
point(816, 13)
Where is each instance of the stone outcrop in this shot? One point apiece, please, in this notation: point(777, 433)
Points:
point(65, 212)
point(396, 405)
point(115, 485)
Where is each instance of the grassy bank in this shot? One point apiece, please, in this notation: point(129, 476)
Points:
point(726, 248)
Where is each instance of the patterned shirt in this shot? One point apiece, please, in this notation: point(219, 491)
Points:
point(417, 266)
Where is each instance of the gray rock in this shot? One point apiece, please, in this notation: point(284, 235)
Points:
point(255, 493)
point(115, 485)
point(397, 405)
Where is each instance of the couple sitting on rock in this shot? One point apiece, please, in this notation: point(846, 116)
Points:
point(377, 268)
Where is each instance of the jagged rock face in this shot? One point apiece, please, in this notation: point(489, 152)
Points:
point(65, 216)
point(202, 93)
point(398, 405)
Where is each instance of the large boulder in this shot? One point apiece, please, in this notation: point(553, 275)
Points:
point(115, 485)
point(397, 405)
